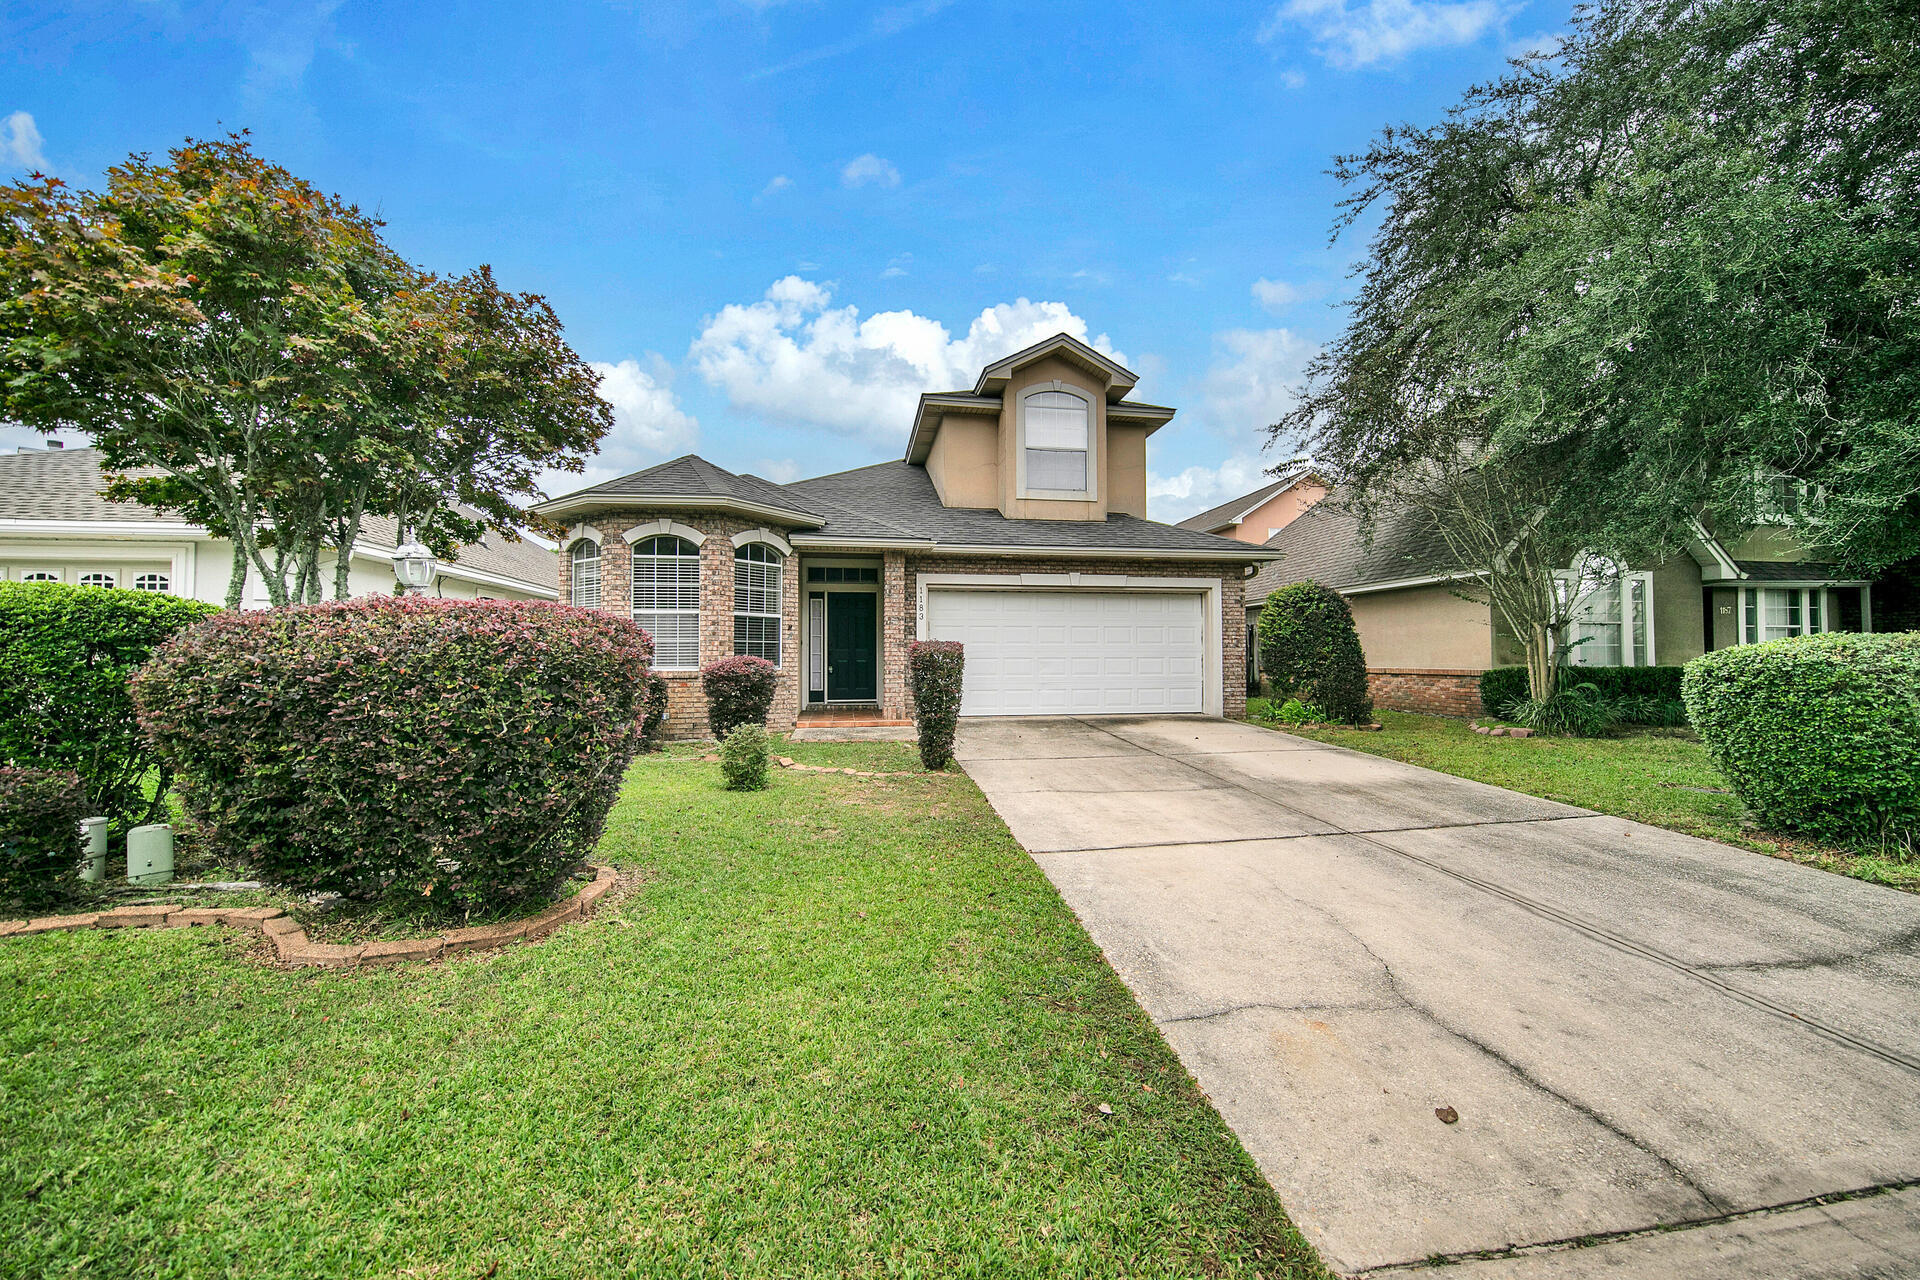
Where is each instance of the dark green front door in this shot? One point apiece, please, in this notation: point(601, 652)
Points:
point(852, 668)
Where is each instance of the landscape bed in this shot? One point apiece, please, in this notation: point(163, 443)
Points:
point(1661, 777)
point(843, 1027)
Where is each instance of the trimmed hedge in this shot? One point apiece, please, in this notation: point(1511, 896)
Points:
point(462, 751)
point(1308, 646)
point(1502, 687)
point(65, 655)
point(739, 691)
point(743, 758)
point(653, 722)
point(1818, 734)
point(40, 815)
point(935, 669)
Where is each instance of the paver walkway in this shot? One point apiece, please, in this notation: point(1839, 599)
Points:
point(1636, 1029)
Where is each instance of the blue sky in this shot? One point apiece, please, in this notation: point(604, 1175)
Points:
point(774, 223)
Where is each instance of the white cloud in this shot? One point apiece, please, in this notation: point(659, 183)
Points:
point(1350, 35)
point(1274, 295)
point(1253, 379)
point(1540, 42)
point(20, 143)
point(1193, 490)
point(780, 182)
point(779, 470)
point(869, 170)
point(795, 358)
point(648, 422)
point(898, 266)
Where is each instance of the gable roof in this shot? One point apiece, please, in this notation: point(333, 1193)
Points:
point(62, 486)
point(687, 481)
point(1233, 511)
point(1120, 379)
point(1325, 543)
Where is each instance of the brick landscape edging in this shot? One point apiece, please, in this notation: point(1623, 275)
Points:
point(293, 948)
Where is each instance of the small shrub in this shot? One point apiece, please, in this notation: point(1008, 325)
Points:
point(1818, 734)
point(743, 757)
point(1308, 645)
point(739, 691)
point(1292, 711)
point(935, 669)
point(40, 814)
point(1581, 712)
point(65, 655)
point(1635, 690)
point(464, 752)
point(653, 724)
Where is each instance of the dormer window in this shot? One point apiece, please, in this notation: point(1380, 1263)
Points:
point(1056, 430)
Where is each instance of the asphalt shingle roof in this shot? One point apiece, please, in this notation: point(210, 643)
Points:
point(65, 484)
point(691, 476)
point(1326, 543)
point(1791, 571)
point(901, 497)
point(1228, 512)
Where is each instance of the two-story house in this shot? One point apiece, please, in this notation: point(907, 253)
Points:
point(1015, 524)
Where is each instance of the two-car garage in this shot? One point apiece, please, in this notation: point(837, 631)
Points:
point(1041, 650)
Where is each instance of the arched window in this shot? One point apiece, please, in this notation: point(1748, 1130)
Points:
point(40, 575)
point(666, 599)
point(1057, 427)
point(756, 601)
point(150, 582)
point(96, 579)
point(586, 573)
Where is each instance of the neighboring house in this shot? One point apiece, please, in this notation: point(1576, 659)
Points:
point(1426, 645)
point(1016, 524)
point(55, 527)
point(1255, 517)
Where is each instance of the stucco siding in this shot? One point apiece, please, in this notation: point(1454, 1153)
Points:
point(1423, 628)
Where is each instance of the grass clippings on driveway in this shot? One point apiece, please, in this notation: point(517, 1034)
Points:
point(1659, 777)
point(845, 1028)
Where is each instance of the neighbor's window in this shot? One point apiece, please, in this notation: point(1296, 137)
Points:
point(756, 602)
point(666, 599)
point(1774, 613)
point(1058, 424)
point(1611, 625)
point(96, 579)
point(586, 573)
point(40, 575)
point(150, 582)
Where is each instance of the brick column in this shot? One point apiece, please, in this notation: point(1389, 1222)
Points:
point(1233, 643)
point(894, 634)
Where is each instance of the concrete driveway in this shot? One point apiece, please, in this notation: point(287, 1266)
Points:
point(1638, 1030)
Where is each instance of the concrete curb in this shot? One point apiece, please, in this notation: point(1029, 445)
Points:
point(294, 950)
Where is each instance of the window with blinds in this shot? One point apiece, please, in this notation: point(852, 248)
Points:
point(756, 601)
point(1057, 424)
point(666, 599)
point(586, 573)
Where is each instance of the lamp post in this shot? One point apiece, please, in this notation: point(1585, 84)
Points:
point(414, 567)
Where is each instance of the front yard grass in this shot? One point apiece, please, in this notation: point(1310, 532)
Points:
point(843, 1027)
point(1659, 777)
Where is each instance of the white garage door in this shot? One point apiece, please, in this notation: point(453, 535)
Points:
point(1074, 652)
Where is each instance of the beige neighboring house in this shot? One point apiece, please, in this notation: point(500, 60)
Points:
point(1015, 524)
point(1426, 645)
point(55, 527)
point(1257, 516)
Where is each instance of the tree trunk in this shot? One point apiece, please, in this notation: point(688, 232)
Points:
point(1540, 671)
point(237, 576)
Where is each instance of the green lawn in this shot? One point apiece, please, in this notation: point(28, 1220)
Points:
point(843, 1027)
point(1657, 776)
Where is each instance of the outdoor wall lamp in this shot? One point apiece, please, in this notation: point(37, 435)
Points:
point(414, 567)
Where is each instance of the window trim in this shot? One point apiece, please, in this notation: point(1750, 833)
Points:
point(1095, 455)
point(634, 611)
point(599, 573)
point(1753, 627)
point(165, 580)
point(1648, 649)
point(761, 551)
point(112, 577)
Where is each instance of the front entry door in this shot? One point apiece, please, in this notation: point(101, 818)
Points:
point(852, 669)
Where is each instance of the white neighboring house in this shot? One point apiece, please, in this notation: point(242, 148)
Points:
point(55, 527)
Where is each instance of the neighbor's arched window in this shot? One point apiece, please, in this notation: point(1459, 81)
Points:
point(1057, 427)
point(756, 601)
point(150, 582)
point(586, 573)
point(96, 579)
point(666, 599)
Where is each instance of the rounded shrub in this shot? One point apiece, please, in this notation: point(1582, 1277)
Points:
point(739, 691)
point(65, 655)
point(462, 751)
point(934, 671)
point(1818, 734)
point(743, 758)
point(1308, 647)
point(40, 815)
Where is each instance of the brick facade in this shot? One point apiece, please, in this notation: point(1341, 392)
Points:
point(1439, 693)
point(899, 590)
